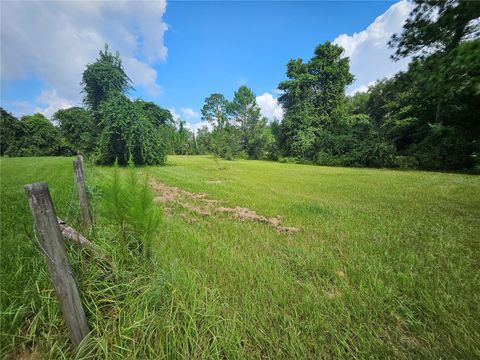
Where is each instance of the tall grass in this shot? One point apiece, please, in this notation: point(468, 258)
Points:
point(385, 265)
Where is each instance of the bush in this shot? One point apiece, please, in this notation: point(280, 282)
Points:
point(406, 162)
point(326, 159)
point(287, 160)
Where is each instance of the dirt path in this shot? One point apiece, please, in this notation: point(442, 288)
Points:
point(200, 204)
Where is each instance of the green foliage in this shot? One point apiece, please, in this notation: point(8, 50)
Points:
point(128, 205)
point(225, 142)
point(10, 129)
point(182, 139)
point(103, 78)
point(313, 97)
point(77, 126)
point(36, 136)
point(254, 133)
point(214, 111)
point(406, 162)
point(203, 141)
point(436, 26)
point(225, 137)
point(157, 115)
point(127, 132)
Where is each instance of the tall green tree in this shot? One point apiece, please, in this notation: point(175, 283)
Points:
point(215, 110)
point(313, 97)
point(77, 127)
point(225, 138)
point(253, 128)
point(104, 77)
point(436, 117)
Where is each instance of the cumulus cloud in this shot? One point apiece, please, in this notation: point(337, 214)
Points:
point(54, 40)
point(189, 113)
point(48, 102)
point(143, 75)
point(269, 106)
point(368, 50)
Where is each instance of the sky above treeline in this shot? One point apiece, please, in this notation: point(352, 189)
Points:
point(178, 53)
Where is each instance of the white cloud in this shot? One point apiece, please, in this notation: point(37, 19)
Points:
point(269, 106)
point(189, 113)
point(176, 116)
point(48, 102)
point(361, 88)
point(142, 74)
point(368, 50)
point(55, 40)
point(196, 126)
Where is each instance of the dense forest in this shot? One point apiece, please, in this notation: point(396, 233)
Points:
point(426, 117)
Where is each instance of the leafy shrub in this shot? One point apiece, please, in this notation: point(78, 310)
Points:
point(326, 159)
point(287, 160)
point(375, 152)
point(406, 162)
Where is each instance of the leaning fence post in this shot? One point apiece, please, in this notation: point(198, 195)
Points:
point(51, 241)
point(82, 194)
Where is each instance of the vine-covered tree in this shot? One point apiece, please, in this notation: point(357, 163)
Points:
point(36, 136)
point(128, 132)
point(104, 77)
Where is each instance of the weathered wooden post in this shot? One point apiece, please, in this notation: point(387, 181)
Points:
point(52, 243)
point(82, 194)
point(80, 157)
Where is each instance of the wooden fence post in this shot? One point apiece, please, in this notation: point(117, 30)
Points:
point(82, 194)
point(80, 157)
point(52, 243)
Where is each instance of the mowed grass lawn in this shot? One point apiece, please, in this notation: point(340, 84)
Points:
point(386, 263)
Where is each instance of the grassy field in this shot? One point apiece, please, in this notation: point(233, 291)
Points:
point(386, 265)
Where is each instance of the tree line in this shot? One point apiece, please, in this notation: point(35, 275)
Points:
point(425, 117)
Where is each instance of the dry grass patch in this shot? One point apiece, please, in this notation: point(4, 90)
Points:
point(200, 204)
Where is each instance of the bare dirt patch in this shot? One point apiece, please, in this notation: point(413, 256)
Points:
point(199, 204)
point(243, 214)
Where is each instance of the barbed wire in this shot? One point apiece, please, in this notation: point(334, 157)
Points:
point(44, 251)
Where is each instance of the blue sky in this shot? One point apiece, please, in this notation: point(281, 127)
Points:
point(179, 53)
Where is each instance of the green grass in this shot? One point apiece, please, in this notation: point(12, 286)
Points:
point(386, 266)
